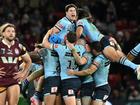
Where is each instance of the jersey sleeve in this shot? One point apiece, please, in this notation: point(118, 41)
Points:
point(80, 23)
point(60, 24)
point(86, 55)
point(23, 49)
point(35, 67)
point(98, 61)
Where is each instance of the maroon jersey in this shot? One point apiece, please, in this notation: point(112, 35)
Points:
point(9, 60)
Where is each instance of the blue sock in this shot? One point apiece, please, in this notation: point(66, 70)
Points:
point(25, 82)
point(24, 87)
point(126, 62)
point(38, 95)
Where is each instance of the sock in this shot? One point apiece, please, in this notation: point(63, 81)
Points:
point(135, 51)
point(25, 82)
point(126, 62)
point(38, 95)
point(24, 87)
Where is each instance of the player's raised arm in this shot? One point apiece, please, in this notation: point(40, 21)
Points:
point(79, 31)
point(45, 42)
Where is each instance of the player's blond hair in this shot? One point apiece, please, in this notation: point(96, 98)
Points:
point(4, 26)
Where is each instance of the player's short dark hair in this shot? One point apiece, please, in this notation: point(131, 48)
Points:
point(69, 6)
point(82, 13)
point(96, 46)
point(71, 37)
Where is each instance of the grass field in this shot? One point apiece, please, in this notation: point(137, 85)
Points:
point(22, 101)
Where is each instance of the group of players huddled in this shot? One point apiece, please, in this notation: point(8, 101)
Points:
point(72, 62)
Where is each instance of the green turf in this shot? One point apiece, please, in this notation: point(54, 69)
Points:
point(22, 101)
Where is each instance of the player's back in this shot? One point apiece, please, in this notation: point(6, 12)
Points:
point(51, 62)
point(101, 74)
point(90, 32)
point(67, 60)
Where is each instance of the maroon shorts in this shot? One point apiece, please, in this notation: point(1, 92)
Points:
point(5, 82)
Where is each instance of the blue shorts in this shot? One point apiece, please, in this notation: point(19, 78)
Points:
point(87, 89)
point(52, 85)
point(106, 42)
point(101, 93)
point(70, 86)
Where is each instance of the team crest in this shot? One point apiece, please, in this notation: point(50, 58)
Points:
point(16, 51)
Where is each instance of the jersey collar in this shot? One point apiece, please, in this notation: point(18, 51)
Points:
point(6, 43)
point(69, 19)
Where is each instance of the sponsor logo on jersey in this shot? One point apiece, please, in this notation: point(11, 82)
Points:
point(9, 59)
point(16, 51)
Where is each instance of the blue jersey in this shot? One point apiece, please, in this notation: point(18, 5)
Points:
point(65, 26)
point(67, 60)
point(90, 32)
point(35, 67)
point(136, 50)
point(51, 62)
point(101, 74)
point(86, 79)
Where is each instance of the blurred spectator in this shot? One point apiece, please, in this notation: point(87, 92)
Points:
point(134, 94)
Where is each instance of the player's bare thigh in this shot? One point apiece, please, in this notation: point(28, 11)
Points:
point(2, 96)
point(13, 93)
point(97, 102)
point(112, 54)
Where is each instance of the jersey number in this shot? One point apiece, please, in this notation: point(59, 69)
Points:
point(72, 66)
